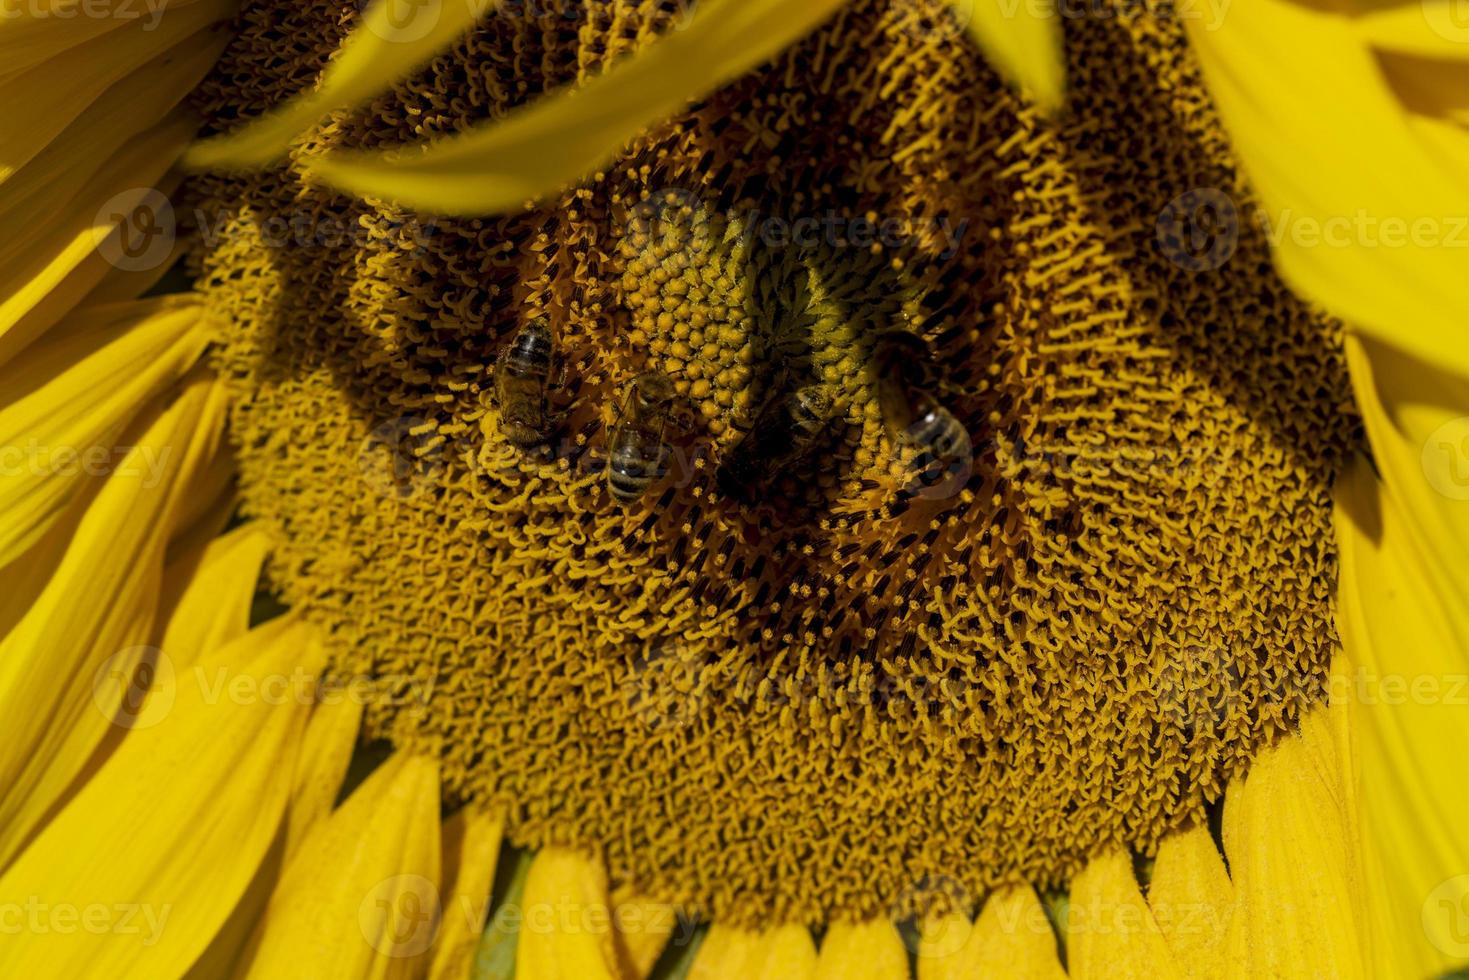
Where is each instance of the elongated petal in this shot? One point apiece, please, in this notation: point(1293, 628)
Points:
point(566, 927)
point(1404, 613)
point(869, 951)
point(733, 954)
point(386, 47)
point(1293, 862)
point(46, 267)
point(330, 738)
point(643, 929)
point(471, 850)
point(1371, 218)
point(60, 89)
point(156, 849)
point(360, 899)
point(1192, 901)
point(208, 603)
point(68, 401)
point(66, 667)
point(1012, 938)
point(34, 31)
point(1023, 41)
point(1111, 930)
point(570, 133)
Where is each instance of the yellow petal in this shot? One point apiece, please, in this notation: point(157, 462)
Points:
point(392, 42)
point(46, 267)
point(1012, 938)
point(1023, 41)
point(1293, 862)
point(33, 31)
point(566, 929)
point(869, 951)
point(1192, 901)
point(570, 133)
point(1111, 929)
point(734, 954)
point(1403, 617)
point(643, 928)
point(471, 851)
point(139, 871)
point(208, 602)
point(67, 668)
point(330, 740)
point(1370, 219)
point(61, 88)
point(360, 899)
point(68, 401)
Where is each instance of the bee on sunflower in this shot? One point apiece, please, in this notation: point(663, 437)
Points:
point(649, 489)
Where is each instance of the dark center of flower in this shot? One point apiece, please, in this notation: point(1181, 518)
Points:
point(825, 674)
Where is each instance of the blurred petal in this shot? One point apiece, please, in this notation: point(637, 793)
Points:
point(471, 851)
point(559, 935)
point(1192, 901)
point(1111, 929)
point(570, 133)
point(1023, 41)
point(869, 951)
point(1012, 938)
point(734, 954)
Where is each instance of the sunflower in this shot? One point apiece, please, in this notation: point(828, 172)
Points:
point(333, 647)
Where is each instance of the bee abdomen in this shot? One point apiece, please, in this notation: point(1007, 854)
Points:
point(531, 354)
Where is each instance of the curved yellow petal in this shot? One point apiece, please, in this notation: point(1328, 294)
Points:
point(866, 951)
point(570, 133)
point(360, 899)
point(643, 929)
point(60, 89)
point(565, 928)
point(471, 851)
point(34, 31)
point(331, 737)
point(141, 868)
point(1367, 216)
point(208, 602)
point(1289, 838)
point(46, 267)
point(67, 668)
point(67, 401)
point(1023, 41)
point(1110, 927)
point(734, 954)
point(1012, 938)
point(393, 40)
point(1404, 613)
point(1192, 901)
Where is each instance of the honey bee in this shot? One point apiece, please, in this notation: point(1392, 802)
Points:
point(522, 376)
point(784, 431)
point(904, 391)
point(636, 452)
